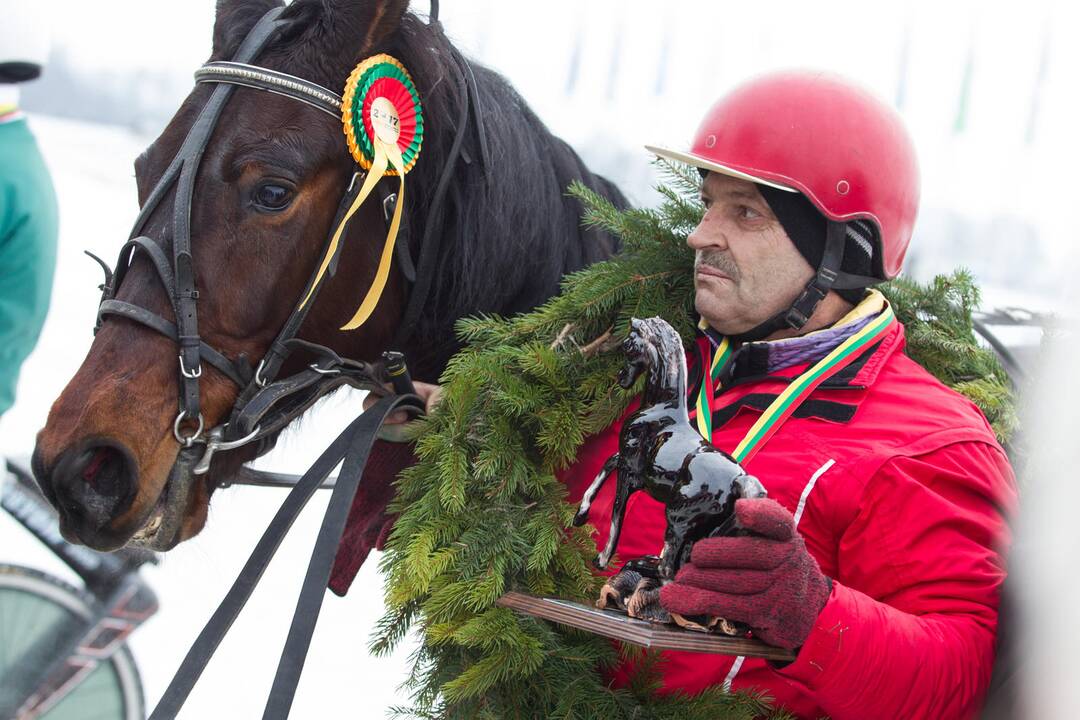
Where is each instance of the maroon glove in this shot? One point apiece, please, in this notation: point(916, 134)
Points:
point(368, 525)
point(767, 580)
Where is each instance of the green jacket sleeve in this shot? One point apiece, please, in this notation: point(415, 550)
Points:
point(28, 234)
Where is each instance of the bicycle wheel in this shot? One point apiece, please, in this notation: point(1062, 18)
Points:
point(30, 603)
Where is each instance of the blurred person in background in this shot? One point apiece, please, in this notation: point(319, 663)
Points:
point(28, 211)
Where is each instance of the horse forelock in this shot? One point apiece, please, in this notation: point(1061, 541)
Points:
point(234, 20)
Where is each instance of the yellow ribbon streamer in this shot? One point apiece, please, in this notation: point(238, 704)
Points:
point(386, 155)
point(393, 154)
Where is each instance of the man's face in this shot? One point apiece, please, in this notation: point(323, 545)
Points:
point(746, 269)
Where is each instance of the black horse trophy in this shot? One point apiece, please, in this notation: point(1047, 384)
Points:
point(661, 453)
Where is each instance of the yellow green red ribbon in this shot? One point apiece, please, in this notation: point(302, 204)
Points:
point(705, 396)
point(795, 393)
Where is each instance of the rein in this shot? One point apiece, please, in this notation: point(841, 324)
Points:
point(265, 403)
point(351, 448)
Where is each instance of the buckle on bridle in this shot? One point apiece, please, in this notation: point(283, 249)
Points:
point(352, 183)
point(189, 374)
point(258, 374)
point(388, 205)
point(325, 371)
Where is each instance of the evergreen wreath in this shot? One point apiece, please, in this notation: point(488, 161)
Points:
point(483, 512)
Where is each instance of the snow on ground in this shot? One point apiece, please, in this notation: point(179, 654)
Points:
point(92, 170)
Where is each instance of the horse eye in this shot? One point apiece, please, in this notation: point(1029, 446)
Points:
point(272, 197)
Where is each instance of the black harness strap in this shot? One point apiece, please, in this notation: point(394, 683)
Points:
point(236, 72)
point(157, 257)
point(313, 590)
point(137, 314)
point(354, 446)
point(239, 371)
point(277, 404)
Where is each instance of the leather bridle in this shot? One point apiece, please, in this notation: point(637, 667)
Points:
point(265, 403)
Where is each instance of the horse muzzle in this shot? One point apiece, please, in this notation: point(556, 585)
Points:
point(90, 485)
point(94, 488)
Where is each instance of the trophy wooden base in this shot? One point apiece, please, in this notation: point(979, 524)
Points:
point(617, 625)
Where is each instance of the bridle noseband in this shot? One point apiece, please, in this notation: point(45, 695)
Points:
point(265, 403)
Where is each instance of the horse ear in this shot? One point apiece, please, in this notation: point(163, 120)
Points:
point(372, 21)
point(234, 21)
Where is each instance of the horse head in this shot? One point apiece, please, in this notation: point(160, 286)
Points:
point(653, 345)
point(263, 196)
point(640, 354)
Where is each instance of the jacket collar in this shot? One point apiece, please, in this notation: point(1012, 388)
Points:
point(764, 360)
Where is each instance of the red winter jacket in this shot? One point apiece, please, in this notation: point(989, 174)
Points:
point(902, 493)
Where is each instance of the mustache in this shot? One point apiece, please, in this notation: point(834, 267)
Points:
point(717, 260)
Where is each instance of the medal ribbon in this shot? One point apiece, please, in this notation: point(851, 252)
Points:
point(794, 394)
point(706, 394)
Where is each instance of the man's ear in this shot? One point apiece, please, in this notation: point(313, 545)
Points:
point(234, 21)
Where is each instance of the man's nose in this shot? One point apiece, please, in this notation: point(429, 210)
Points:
point(707, 234)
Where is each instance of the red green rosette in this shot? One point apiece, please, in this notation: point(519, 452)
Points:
point(381, 101)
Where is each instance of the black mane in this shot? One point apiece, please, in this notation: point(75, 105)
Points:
point(506, 231)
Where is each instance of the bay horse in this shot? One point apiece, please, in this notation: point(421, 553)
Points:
point(238, 196)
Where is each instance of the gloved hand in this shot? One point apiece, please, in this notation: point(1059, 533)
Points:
point(767, 580)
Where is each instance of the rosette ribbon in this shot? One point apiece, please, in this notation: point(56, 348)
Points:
point(383, 124)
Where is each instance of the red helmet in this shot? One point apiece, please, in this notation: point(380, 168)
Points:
point(822, 136)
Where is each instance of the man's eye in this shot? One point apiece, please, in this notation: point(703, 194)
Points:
point(272, 197)
point(748, 213)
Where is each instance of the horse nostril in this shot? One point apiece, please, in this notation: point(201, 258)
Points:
point(94, 485)
point(105, 471)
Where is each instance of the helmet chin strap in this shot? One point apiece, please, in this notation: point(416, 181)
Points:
point(827, 277)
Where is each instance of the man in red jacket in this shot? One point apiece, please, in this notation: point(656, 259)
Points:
point(879, 553)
